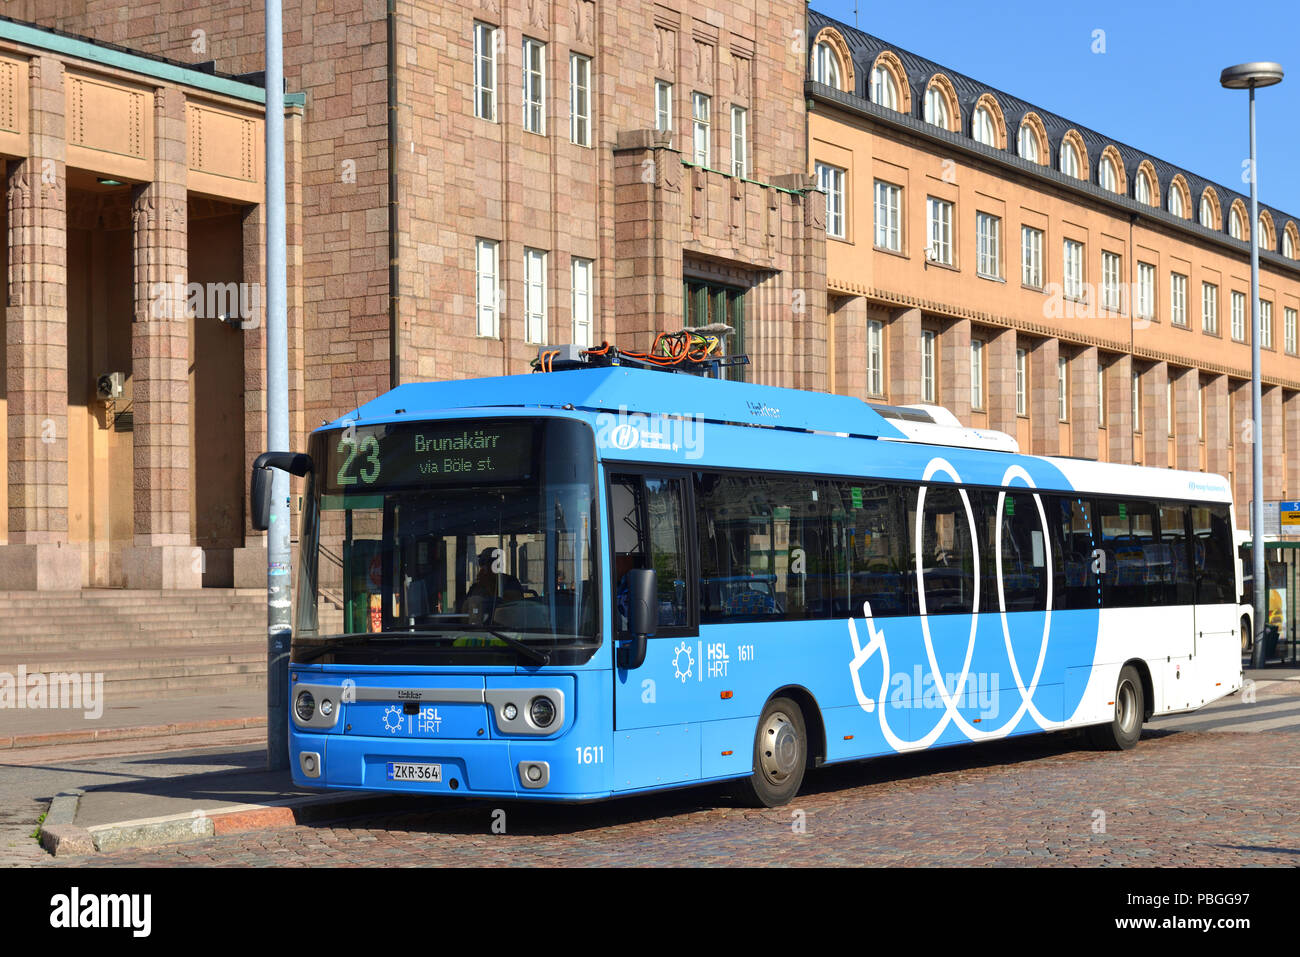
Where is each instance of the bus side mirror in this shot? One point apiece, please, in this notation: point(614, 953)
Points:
point(259, 494)
point(642, 615)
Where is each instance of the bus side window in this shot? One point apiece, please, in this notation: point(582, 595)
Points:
point(1213, 560)
point(649, 531)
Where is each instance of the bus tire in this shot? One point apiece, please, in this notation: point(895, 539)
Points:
point(1125, 728)
point(780, 756)
point(1247, 636)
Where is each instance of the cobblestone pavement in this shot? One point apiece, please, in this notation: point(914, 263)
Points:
point(1190, 798)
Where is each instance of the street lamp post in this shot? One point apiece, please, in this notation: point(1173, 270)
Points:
point(1248, 76)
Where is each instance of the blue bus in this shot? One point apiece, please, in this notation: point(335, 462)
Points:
point(579, 584)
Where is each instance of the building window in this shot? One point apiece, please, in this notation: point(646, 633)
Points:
point(1022, 382)
point(580, 99)
point(485, 71)
point(982, 127)
point(826, 66)
point(1239, 316)
point(1101, 397)
point(1289, 330)
point(535, 296)
point(1176, 205)
point(1210, 308)
point(940, 231)
point(487, 287)
point(927, 365)
point(582, 307)
point(534, 86)
point(1112, 265)
point(830, 180)
point(1142, 188)
point(988, 244)
point(1069, 159)
point(1265, 324)
point(663, 105)
point(884, 91)
point(1073, 269)
point(936, 108)
point(1031, 257)
point(739, 141)
point(1027, 143)
point(1062, 388)
point(1236, 226)
point(1288, 244)
point(889, 216)
point(977, 373)
point(1106, 175)
point(1207, 213)
point(1146, 291)
point(1178, 299)
point(707, 304)
point(875, 357)
point(1137, 401)
point(700, 107)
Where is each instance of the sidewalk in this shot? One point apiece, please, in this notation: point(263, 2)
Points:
point(128, 720)
point(197, 806)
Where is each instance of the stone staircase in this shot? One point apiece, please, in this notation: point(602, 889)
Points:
point(147, 644)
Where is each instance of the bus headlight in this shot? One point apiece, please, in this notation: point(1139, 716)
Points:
point(542, 711)
point(304, 706)
point(510, 711)
point(326, 708)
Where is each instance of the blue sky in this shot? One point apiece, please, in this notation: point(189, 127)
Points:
point(1156, 86)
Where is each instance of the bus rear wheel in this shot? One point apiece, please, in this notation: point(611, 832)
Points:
point(780, 756)
point(1125, 728)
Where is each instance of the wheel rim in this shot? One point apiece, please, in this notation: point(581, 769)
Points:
point(778, 748)
point(1126, 707)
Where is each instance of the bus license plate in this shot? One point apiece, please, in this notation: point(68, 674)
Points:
point(414, 772)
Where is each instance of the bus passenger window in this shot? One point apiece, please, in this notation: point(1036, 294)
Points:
point(649, 532)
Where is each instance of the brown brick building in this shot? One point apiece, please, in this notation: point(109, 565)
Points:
point(570, 172)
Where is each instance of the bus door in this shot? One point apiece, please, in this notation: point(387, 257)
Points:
point(657, 735)
point(1214, 575)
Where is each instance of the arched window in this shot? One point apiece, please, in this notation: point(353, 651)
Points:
point(1180, 198)
point(1146, 188)
point(1237, 222)
point(1265, 225)
point(826, 66)
point(1027, 143)
point(1142, 189)
point(1069, 159)
point(1207, 216)
point(1290, 241)
point(1175, 201)
point(1106, 176)
point(982, 128)
point(936, 108)
point(884, 91)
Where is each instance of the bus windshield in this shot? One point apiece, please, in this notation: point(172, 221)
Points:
point(449, 542)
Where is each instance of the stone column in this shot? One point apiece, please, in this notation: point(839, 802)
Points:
point(648, 216)
point(249, 562)
point(1187, 428)
point(1217, 438)
point(849, 333)
point(38, 554)
point(1000, 379)
point(1155, 416)
point(1271, 435)
point(162, 555)
point(1044, 412)
point(1291, 429)
point(1083, 399)
point(1243, 438)
point(903, 359)
point(1119, 409)
point(954, 368)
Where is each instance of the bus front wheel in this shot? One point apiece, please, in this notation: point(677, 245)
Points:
point(780, 756)
point(1125, 728)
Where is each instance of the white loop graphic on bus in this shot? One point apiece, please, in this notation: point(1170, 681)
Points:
point(951, 697)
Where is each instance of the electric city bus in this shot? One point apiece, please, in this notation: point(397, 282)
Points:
point(586, 583)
